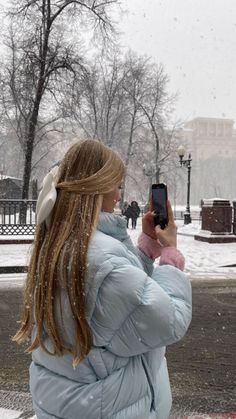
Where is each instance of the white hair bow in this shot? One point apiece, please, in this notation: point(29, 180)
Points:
point(47, 197)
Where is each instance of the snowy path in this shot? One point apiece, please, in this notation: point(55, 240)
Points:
point(202, 259)
point(12, 414)
point(14, 254)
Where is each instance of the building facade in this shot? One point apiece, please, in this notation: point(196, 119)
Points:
point(206, 137)
point(212, 144)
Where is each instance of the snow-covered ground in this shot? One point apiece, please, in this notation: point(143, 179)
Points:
point(11, 414)
point(14, 254)
point(202, 259)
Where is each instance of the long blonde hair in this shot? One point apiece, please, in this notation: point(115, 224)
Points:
point(88, 171)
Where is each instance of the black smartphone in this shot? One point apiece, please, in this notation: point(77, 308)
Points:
point(159, 204)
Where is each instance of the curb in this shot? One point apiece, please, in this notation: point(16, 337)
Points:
point(203, 282)
point(13, 269)
point(16, 241)
point(215, 282)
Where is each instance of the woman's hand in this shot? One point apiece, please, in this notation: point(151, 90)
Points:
point(148, 225)
point(168, 236)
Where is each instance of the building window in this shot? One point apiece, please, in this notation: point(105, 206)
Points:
point(220, 130)
point(212, 129)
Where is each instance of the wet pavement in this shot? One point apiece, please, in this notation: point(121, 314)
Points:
point(202, 366)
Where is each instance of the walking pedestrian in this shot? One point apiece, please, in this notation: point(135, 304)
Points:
point(127, 212)
point(97, 312)
point(135, 211)
point(124, 207)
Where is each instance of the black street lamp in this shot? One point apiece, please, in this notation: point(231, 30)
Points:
point(186, 163)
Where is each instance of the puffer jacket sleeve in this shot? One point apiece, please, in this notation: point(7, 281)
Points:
point(146, 261)
point(135, 312)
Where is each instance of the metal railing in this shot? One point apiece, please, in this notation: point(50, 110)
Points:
point(195, 215)
point(179, 214)
point(11, 211)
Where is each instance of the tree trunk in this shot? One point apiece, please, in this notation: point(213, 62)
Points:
point(27, 173)
point(128, 154)
point(32, 126)
point(29, 153)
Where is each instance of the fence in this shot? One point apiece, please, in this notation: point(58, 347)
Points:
point(179, 214)
point(195, 215)
point(10, 217)
point(11, 223)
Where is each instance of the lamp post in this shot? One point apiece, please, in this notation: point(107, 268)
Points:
point(187, 163)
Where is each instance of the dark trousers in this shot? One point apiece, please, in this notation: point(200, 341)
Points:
point(134, 222)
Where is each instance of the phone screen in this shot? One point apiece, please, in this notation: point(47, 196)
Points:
point(159, 197)
point(159, 201)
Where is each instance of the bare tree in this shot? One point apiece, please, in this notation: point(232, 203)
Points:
point(104, 107)
point(155, 105)
point(99, 107)
point(40, 55)
point(123, 102)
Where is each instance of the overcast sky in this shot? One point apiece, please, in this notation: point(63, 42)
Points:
point(195, 40)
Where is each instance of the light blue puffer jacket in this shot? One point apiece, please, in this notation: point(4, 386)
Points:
point(134, 312)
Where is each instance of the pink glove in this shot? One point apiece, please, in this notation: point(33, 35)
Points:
point(172, 256)
point(150, 247)
point(153, 249)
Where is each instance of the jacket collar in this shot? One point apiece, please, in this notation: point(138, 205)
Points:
point(113, 225)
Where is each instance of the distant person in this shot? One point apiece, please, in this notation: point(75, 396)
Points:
point(135, 212)
point(97, 313)
point(127, 212)
point(124, 207)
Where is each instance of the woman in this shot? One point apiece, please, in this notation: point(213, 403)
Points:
point(98, 314)
point(135, 211)
point(126, 211)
